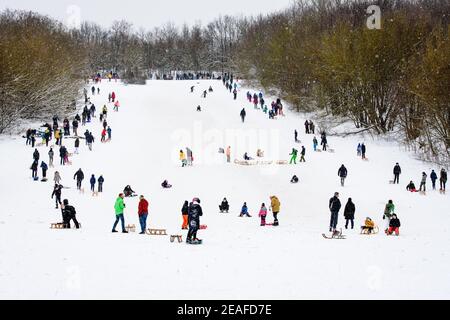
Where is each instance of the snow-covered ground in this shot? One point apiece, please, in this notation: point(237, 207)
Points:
point(238, 259)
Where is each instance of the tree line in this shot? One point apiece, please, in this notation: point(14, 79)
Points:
point(319, 55)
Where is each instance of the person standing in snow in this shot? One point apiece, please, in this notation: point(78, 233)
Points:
point(44, 168)
point(349, 213)
point(324, 143)
point(90, 139)
point(92, 182)
point(433, 177)
point(185, 215)
point(243, 114)
point(443, 179)
point(51, 153)
point(75, 127)
point(57, 177)
point(143, 213)
point(235, 94)
point(109, 133)
point(57, 194)
point(275, 207)
point(79, 176)
point(389, 210)
point(397, 171)
point(182, 159)
point(36, 155)
point(423, 182)
point(307, 127)
point(263, 214)
point(119, 207)
point(195, 212)
point(113, 96)
point(189, 156)
point(228, 154)
point(334, 205)
point(342, 173)
point(62, 155)
point(302, 154)
point(363, 151)
point(358, 150)
point(34, 169)
point(100, 181)
point(296, 136)
point(315, 143)
point(103, 134)
point(77, 145)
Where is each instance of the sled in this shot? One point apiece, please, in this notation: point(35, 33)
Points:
point(331, 150)
point(156, 232)
point(131, 228)
point(374, 231)
point(176, 236)
point(203, 227)
point(334, 235)
point(57, 226)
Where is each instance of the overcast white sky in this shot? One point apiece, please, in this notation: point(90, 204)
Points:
point(145, 13)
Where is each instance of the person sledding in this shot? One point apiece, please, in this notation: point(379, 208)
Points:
point(246, 157)
point(224, 206)
point(244, 211)
point(128, 192)
point(394, 226)
point(294, 179)
point(368, 227)
point(166, 185)
point(411, 187)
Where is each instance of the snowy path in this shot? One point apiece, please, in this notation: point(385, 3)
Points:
point(239, 259)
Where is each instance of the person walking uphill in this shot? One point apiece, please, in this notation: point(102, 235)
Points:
point(119, 207)
point(275, 207)
point(243, 114)
point(143, 213)
point(195, 212)
point(92, 182)
point(342, 173)
point(79, 175)
point(334, 205)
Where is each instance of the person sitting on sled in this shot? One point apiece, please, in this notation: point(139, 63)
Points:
point(411, 187)
point(244, 211)
point(246, 157)
point(394, 226)
point(259, 153)
point(166, 184)
point(368, 225)
point(294, 179)
point(128, 192)
point(224, 206)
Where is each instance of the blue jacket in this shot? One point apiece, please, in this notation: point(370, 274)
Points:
point(92, 180)
point(433, 176)
point(44, 165)
point(244, 209)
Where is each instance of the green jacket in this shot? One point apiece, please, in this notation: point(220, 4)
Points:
point(389, 210)
point(119, 206)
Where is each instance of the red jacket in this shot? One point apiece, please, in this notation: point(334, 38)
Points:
point(143, 207)
point(113, 95)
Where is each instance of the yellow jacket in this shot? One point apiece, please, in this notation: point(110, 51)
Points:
point(369, 223)
point(275, 204)
point(182, 156)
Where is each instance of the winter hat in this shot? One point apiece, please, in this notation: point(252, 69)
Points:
point(196, 200)
point(66, 202)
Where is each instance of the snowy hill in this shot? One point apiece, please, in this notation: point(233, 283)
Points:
point(239, 259)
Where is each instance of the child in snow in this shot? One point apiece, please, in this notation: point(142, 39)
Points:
point(224, 206)
point(294, 179)
point(185, 214)
point(244, 211)
point(263, 214)
point(183, 159)
point(368, 225)
point(411, 187)
point(116, 105)
point(394, 226)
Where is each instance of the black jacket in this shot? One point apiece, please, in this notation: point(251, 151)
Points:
point(79, 175)
point(185, 209)
point(57, 192)
point(68, 211)
point(77, 143)
point(394, 223)
point(342, 172)
point(334, 204)
point(100, 180)
point(349, 211)
point(194, 212)
point(397, 169)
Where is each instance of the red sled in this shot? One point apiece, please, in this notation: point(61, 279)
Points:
point(203, 227)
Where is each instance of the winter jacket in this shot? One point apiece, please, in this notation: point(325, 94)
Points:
point(101, 180)
point(182, 156)
point(342, 172)
point(44, 166)
point(433, 176)
point(334, 204)
point(443, 177)
point(424, 178)
point(263, 212)
point(369, 223)
point(244, 209)
point(68, 211)
point(185, 209)
point(119, 206)
point(57, 192)
point(363, 148)
point(194, 212)
point(228, 153)
point(394, 223)
point(34, 166)
point(77, 143)
point(410, 187)
point(294, 152)
point(51, 153)
point(93, 180)
point(36, 155)
point(142, 207)
point(397, 169)
point(349, 211)
point(243, 113)
point(389, 210)
point(275, 204)
point(79, 175)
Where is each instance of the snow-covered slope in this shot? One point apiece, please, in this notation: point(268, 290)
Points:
point(239, 259)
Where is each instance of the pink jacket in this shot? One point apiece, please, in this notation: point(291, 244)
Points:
point(263, 212)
